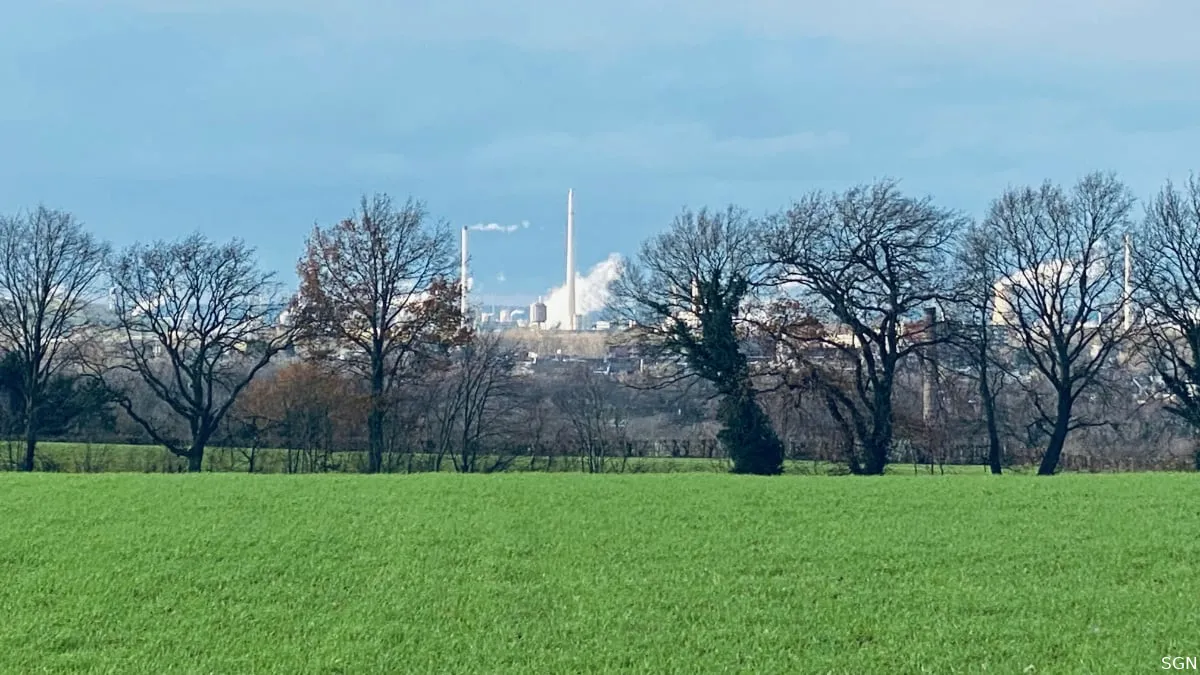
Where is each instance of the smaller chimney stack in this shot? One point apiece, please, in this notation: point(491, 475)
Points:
point(931, 331)
point(1128, 290)
point(462, 275)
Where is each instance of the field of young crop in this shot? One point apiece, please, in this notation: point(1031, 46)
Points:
point(558, 573)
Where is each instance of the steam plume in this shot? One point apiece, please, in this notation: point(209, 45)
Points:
point(591, 292)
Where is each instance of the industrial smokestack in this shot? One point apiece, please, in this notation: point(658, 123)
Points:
point(1128, 291)
point(571, 319)
point(462, 275)
point(930, 373)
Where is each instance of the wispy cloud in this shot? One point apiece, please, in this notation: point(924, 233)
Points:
point(497, 227)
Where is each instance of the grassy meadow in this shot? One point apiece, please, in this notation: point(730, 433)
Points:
point(558, 573)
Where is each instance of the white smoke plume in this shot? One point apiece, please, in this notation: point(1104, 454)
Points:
point(591, 292)
point(497, 227)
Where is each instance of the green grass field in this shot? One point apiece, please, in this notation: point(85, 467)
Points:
point(559, 573)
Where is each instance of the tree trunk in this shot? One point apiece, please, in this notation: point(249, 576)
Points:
point(1058, 438)
point(375, 440)
point(995, 449)
point(989, 414)
point(31, 422)
point(375, 418)
point(877, 452)
point(195, 454)
point(879, 446)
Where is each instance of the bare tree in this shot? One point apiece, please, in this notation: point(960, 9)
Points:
point(49, 273)
point(246, 432)
point(974, 335)
point(859, 266)
point(197, 322)
point(1059, 291)
point(375, 288)
point(1167, 263)
point(596, 420)
point(474, 402)
point(686, 294)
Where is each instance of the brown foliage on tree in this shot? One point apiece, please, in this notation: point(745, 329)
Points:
point(309, 410)
point(375, 294)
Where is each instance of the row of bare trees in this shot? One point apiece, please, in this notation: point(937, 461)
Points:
point(855, 291)
point(1027, 324)
point(191, 323)
point(188, 346)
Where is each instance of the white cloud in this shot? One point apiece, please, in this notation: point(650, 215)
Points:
point(497, 227)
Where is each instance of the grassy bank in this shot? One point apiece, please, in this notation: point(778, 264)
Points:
point(575, 573)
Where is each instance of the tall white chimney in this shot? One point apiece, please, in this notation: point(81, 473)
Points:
point(1128, 323)
point(571, 320)
point(462, 274)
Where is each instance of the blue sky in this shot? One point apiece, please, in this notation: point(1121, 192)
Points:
point(257, 118)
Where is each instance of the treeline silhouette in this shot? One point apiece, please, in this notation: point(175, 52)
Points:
point(847, 332)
